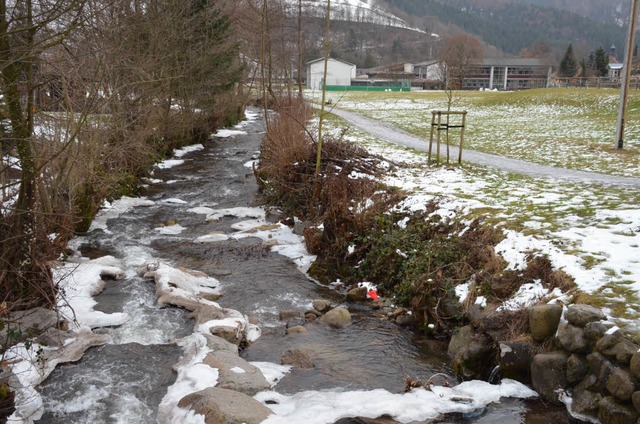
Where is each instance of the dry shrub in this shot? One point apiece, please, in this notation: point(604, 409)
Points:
point(286, 166)
point(502, 284)
point(517, 325)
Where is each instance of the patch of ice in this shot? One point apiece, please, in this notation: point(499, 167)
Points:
point(171, 229)
point(201, 210)
point(174, 201)
point(314, 407)
point(192, 376)
point(115, 209)
point(78, 284)
point(225, 133)
point(272, 372)
point(169, 163)
point(240, 212)
point(188, 149)
point(212, 238)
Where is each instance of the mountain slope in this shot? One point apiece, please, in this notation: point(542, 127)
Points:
point(609, 11)
point(512, 25)
point(361, 11)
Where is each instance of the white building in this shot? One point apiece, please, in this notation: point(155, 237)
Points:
point(614, 71)
point(429, 70)
point(339, 72)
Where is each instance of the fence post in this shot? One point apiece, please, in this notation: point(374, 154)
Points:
point(433, 124)
point(439, 131)
point(464, 118)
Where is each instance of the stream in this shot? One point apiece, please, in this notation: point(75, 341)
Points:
point(124, 381)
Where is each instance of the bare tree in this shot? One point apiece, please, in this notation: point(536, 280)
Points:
point(460, 53)
point(28, 30)
point(127, 80)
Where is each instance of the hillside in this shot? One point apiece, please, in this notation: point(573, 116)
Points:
point(512, 25)
point(609, 11)
point(358, 11)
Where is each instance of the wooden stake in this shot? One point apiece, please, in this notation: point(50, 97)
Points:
point(464, 117)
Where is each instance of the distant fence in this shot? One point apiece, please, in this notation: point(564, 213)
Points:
point(594, 82)
point(367, 88)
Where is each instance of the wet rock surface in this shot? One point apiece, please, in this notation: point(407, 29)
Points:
point(222, 406)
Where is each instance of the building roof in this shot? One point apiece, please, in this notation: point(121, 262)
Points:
point(514, 62)
point(331, 58)
point(426, 63)
point(616, 65)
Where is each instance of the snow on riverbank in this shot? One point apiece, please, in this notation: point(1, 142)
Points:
point(315, 407)
point(589, 231)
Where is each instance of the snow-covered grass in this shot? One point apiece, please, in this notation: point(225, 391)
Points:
point(591, 232)
point(569, 128)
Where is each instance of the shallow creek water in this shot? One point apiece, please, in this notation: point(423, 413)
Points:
point(124, 381)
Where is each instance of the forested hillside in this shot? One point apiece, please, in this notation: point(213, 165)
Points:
point(513, 25)
point(610, 11)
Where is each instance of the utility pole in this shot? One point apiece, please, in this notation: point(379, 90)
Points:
point(628, 57)
point(327, 49)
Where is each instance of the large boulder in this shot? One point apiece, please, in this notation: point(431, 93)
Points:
point(298, 358)
point(601, 368)
point(216, 343)
point(585, 400)
point(289, 314)
point(471, 353)
point(544, 320)
point(405, 320)
point(231, 334)
point(624, 351)
point(548, 374)
point(577, 368)
point(222, 406)
point(621, 384)
point(337, 318)
point(359, 294)
point(459, 339)
point(515, 360)
point(594, 331)
point(606, 345)
point(580, 315)
point(234, 373)
point(634, 364)
point(612, 412)
point(572, 338)
point(321, 305)
point(635, 400)
point(29, 323)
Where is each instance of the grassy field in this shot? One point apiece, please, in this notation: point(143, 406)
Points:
point(590, 231)
point(570, 128)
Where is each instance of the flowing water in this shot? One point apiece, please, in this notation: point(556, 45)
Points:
point(125, 380)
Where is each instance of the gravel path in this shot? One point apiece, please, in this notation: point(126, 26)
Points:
point(403, 138)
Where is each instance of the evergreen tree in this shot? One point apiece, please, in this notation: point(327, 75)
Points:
point(568, 64)
point(601, 62)
point(584, 68)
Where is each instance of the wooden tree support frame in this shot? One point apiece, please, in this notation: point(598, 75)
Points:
point(438, 126)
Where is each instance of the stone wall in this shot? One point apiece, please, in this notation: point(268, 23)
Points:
point(577, 358)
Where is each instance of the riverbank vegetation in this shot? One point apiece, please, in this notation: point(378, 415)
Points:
point(93, 95)
point(361, 230)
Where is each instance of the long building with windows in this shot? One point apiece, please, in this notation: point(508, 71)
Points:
point(508, 74)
